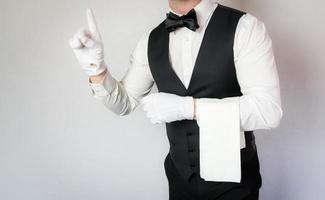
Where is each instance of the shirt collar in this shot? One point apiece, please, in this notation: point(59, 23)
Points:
point(203, 11)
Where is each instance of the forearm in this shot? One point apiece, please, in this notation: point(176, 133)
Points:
point(261, 109)
point(123, 96)
point(256, 111)
point(121, 100)
point(112, 93)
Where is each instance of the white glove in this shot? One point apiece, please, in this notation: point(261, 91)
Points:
point(88, 47)
point(165, 107)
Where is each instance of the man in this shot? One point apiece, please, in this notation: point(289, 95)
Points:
point(216, 75)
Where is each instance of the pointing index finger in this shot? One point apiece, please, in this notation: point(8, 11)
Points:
point(92, 24)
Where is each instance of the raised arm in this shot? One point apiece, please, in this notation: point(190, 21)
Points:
point(123, 96)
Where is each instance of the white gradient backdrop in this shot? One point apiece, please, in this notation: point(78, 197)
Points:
point(59, 143)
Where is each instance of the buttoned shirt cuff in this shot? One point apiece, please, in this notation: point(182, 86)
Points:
point(104, 88)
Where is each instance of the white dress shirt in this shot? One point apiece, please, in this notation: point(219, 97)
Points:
point(258, 108)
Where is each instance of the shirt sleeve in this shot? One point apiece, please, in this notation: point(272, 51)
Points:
point(123, 96)
point(260, 104)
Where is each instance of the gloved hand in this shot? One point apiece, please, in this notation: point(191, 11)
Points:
point(88, 47)
point(165, 107)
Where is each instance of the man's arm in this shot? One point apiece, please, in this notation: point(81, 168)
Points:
point(119, 96)
point(123, 96)
point(260, 104)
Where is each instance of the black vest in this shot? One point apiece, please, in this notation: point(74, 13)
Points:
point(213, 76)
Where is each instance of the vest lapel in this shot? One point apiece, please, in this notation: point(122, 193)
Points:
point(166, 67)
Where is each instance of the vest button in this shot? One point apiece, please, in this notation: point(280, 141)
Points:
point(189, 134)
point(192, 165)
point(190, 150)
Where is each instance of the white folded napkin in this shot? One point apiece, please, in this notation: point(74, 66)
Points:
point(220, 140)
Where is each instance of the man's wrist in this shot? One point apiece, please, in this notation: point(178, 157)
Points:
point(98, 78)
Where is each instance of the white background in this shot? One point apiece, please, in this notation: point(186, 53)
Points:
point(59, 143)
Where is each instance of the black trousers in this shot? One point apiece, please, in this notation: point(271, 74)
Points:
point(197, 188)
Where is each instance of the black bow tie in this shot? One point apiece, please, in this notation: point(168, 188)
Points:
point(174, 21)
